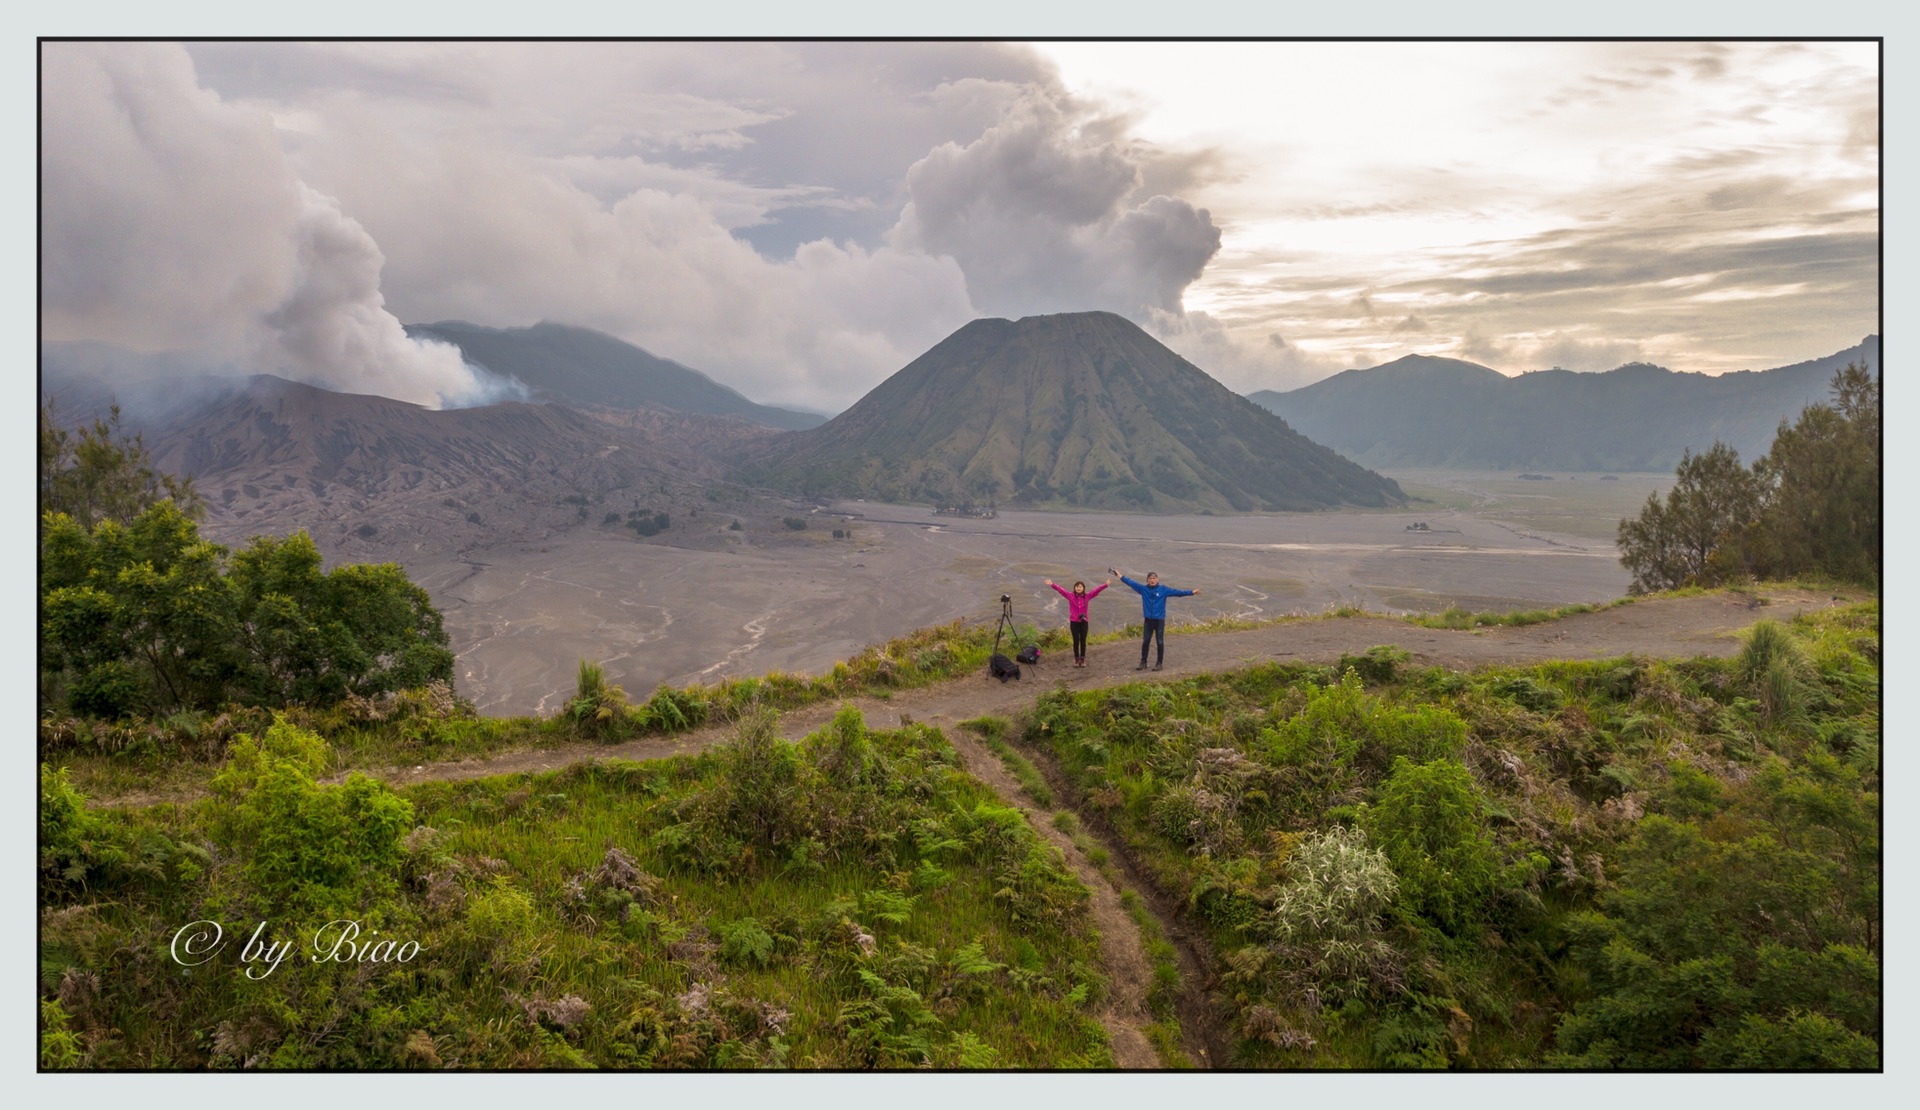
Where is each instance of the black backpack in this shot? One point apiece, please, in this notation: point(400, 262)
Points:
point(1002, 668)
point(1029, 654)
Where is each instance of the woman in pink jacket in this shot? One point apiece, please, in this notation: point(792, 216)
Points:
point(1077, 600)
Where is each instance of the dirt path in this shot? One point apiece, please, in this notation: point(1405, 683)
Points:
point(1206, 1042)
point(1667, 627)
point(1122, 953)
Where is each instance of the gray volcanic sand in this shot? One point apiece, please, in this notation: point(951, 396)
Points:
point(522, 617)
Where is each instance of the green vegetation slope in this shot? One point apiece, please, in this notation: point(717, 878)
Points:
point(853, 901)
point(1621, 864)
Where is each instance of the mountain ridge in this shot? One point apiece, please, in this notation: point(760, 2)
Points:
point(583, 367)
point(1425, 411)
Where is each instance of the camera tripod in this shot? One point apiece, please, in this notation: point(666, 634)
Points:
point(1006, 620)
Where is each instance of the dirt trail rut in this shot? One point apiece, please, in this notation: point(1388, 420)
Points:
point(1122, 953)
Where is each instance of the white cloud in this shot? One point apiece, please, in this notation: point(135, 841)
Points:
point(171, 221)
point(802, 219)
point(1044, 213)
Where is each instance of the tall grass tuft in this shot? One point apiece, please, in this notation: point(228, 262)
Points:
point(1775, 667)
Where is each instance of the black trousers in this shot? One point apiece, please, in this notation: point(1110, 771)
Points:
point(1154, 630)
point(1079, 630)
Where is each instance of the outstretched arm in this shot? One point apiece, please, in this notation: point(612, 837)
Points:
point(1058, 588)
point(1134, 586)
point(1181, 593)
point(1095, 592)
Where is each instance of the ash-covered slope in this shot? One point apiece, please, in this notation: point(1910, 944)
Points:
point(373, 477)
point(1081, 409)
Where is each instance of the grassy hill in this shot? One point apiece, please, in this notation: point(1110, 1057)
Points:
point(1078, 409)
point(1441, 412)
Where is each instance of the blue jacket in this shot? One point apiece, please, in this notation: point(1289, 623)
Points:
point(1153, 599)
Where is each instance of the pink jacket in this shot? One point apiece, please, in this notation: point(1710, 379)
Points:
point(1077, 603)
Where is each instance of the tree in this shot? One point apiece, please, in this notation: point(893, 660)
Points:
point(1713, 498)
point(1811, 504)
point(1822, 476)
point(148, 617)
point(101, 473)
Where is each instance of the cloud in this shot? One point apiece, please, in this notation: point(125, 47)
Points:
point(802, 219)
point(1045, 213)
point(516, 183)
point(1239, 360)
point(472, 229)
point(171, 221)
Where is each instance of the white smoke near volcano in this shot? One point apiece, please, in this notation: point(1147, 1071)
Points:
point(172, 222)
point(333, 328)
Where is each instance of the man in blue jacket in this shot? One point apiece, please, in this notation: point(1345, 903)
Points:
point(1153, 611)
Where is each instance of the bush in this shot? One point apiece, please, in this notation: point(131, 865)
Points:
point(1326, 916)
point(1428, 821)
point(1776, 669)
point(759, 783)
point(796, 523)
point(595, 708)
point(1340, 726)
point(309, 847)
point(1377, 666)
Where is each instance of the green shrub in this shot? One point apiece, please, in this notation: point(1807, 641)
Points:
point(67, 829)
point(1341, 725)
point(1428, 821)
point(1776, 669)
point(309, 847)
point(745, 943)
point(1326, 916)
point(1377, 665)
point(759, 785)
point(1529, 693)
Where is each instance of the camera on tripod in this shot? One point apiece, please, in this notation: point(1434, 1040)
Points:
point(1006, 599)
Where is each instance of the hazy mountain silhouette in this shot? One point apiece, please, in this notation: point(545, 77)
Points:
point(1081, 409)
point(1442, 412)
point(579, 366)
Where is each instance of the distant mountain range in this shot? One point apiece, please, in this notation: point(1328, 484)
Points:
point(1078, 409)
point(1441, 412)
point(581, 367)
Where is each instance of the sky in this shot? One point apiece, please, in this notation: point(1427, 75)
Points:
point(800, 220)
